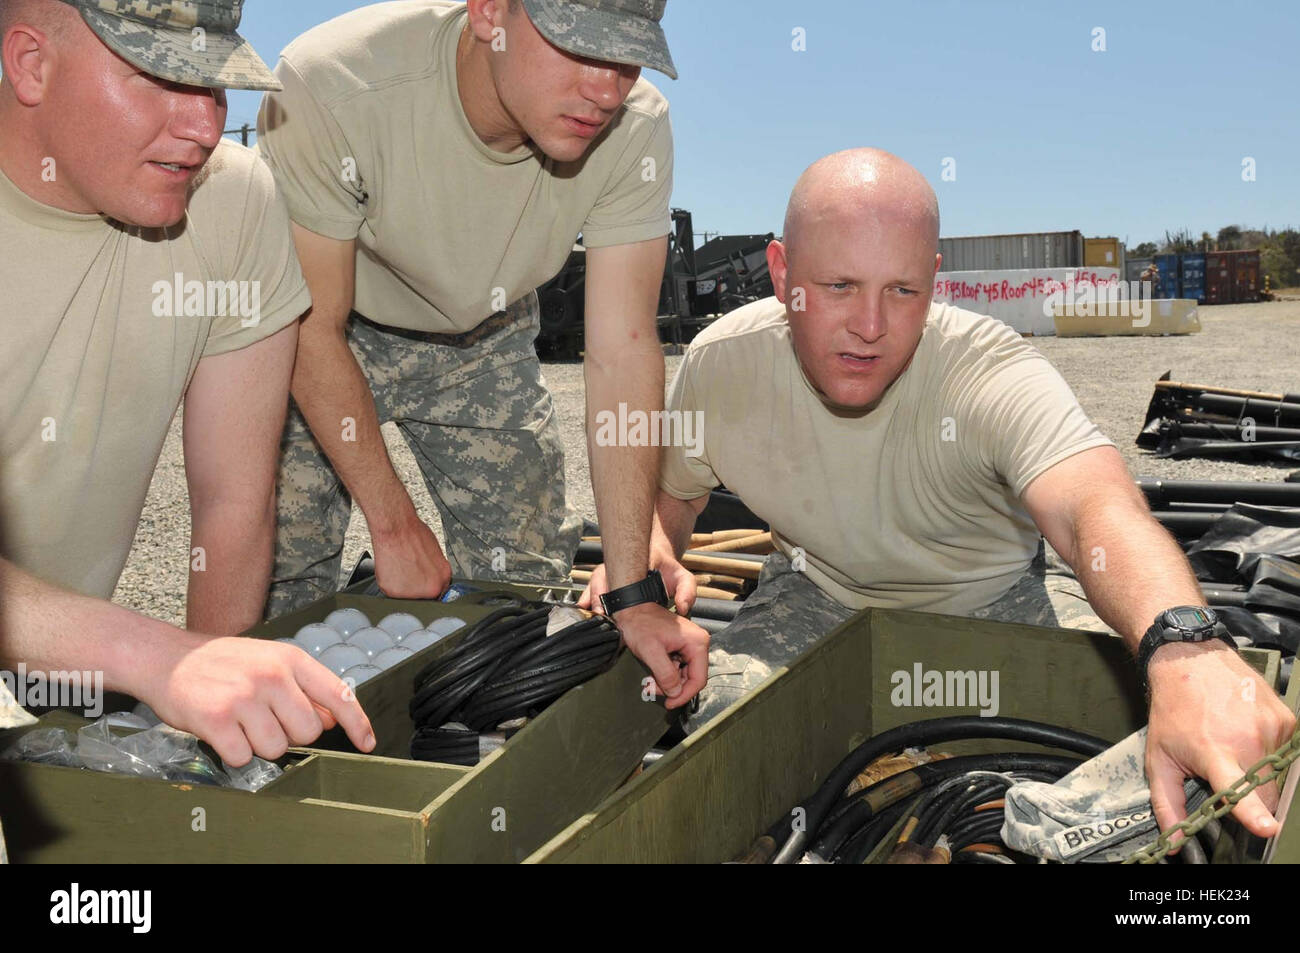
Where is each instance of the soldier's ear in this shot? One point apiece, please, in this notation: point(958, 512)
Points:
point(26, 58)
point(778, 266)
point(486, 17)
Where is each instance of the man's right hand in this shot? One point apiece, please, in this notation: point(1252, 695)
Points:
point(674, 648)
point(409, 563)
point(249, 697)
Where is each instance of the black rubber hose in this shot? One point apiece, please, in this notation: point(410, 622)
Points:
point(930, 828)
point(937, 805)
point(899, 786)
point(723, 610)
point(992, 792)
point(920, 734)
point(980, 829)
point(858, 847)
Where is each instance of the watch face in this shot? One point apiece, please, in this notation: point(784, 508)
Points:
point(1190, 617)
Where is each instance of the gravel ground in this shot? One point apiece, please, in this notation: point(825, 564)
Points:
point(1250, 347)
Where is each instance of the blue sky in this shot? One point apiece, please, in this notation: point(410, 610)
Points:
point(1046, 133)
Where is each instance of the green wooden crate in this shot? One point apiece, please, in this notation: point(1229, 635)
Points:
point(341, 806)
point(709, 798)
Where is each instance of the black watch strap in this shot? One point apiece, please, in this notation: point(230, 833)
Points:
point(649, 589)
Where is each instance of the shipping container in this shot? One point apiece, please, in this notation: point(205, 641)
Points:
point(1167, 284)
point(1133, 268)
point(1218, 278)
point(1245, 276)
point(1191, 266)
point(1103, 253)
point(1003, 252)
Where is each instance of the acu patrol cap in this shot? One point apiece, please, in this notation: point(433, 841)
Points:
point(191, 42)
point(614, 31)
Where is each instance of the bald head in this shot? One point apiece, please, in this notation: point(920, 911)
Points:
point(855, 270)
point(871, 186)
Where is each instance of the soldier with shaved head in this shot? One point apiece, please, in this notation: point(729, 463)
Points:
point(913, 455)
point(145, 261)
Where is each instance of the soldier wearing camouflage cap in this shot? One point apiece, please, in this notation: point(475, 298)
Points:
point(118, 198)
point(439, 160)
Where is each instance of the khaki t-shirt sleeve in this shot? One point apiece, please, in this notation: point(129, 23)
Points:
point(318, 170)
point(635, 208)
point(1025, 420)
point(261, 259)
point(683, 476)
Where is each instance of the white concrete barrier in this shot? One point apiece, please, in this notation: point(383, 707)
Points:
point(1026, 299)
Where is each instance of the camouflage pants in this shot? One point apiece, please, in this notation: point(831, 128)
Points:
point(1047, 594)
point(483, 430)
point(787, 615)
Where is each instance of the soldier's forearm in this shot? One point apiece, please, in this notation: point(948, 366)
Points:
point(1130, 567)
point(673, 525)
point(231, 551)
point(51, 629)
point(624, 476)
point(336, 401)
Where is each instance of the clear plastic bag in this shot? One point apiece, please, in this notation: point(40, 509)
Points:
point(43, 746)
point(159, 752)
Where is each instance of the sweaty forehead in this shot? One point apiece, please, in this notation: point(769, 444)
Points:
point(849, 232)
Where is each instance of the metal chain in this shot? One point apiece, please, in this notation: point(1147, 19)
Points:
point(1229, 796)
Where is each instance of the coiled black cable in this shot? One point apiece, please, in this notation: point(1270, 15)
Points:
point(920, 734)
point(504, 668)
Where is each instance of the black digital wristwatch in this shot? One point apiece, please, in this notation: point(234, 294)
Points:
point(1180, 624)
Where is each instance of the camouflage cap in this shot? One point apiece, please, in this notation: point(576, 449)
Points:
point(1099, 812)
point(615, 31)
point(192, 42)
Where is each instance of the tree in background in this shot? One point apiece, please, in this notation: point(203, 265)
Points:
point(1281, 270)
point(1179, 242)
point(1229, 239)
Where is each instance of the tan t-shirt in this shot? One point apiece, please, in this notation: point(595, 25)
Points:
point(97, 353)
point(914, 505)
point(369, 141)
